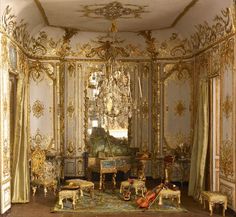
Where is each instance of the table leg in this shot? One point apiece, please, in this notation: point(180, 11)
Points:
point(114, 180)
point(100, 181)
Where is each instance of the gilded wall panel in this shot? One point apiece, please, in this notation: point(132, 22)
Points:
point(43, 103)
point(177, 86)
point(227, 121)
point(227, 154)
point(74, 117)
point(5, 193)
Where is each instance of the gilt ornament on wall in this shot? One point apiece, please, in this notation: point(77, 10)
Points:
point(227, 106)
point(179, 108)
point(70, 109)
point(38, 109)
point(227, 158)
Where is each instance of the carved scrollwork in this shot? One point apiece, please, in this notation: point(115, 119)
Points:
point(38, 69)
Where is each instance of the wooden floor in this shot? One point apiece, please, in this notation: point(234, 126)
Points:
point(40, 206)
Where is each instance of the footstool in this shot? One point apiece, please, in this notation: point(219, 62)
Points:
point(68, 194)
point(213, 198)
point(137, 185)
point(84, 185)
point(170, 194)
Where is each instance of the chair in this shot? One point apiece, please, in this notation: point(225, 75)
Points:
point(43, 172)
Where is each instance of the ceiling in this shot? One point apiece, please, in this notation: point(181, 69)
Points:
point(130, 15)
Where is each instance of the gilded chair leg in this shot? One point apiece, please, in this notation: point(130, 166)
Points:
point(54, 189)
point(210, 209)
point(45, 191)
point(34, 188)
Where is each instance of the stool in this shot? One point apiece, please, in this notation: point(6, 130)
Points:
point(170, 194)
point(137, 185)
point(213, 198)
point(68, 194)
point(84, 185)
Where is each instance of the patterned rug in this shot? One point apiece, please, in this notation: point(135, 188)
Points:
point(110, 202)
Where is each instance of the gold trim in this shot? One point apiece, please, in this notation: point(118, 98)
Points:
point(5, 181)
point(186, 9)
point(42, 11)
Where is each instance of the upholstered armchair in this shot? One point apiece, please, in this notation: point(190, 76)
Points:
point(43, 172)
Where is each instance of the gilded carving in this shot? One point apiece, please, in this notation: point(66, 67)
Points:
point(227, 158)
point(38, 109)
point(151, 44)
point(38, 69)
point(108, 49)
point(227, 53)
point(70, 109)
point(145, 109)
point(227, 106)
point(4, 53)
point(6, 158)
point(206, 34)
point(70, 148)
point(65, 48)
point(71, 69)
point(227, 190)
point(113, 11)
point(37, 139)
point(43, 45)
point(5, 106)
point(215, 65)
point(179, 108)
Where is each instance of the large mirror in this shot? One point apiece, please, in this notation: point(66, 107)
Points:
point(109, 110)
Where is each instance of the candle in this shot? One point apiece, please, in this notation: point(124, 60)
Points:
point(140, 87)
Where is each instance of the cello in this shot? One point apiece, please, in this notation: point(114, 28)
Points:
point(150, 197)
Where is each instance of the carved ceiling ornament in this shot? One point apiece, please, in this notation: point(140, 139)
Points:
point(113, 10)
point(38, 109)
point(43, 45)
point(227, 107)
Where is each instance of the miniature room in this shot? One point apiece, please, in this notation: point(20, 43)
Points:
point(117, 108)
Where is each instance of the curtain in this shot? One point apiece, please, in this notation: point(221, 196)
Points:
point(200, 142)
point(20, 166)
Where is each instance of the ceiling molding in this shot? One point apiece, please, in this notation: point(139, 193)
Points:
point(40, 7)
point(186, 9)
point(177, 19)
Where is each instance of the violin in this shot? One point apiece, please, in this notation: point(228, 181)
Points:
point(150, 197)
point(127, 193)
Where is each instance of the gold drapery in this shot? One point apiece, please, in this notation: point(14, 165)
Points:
point(20, 167)
point(200, 142)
